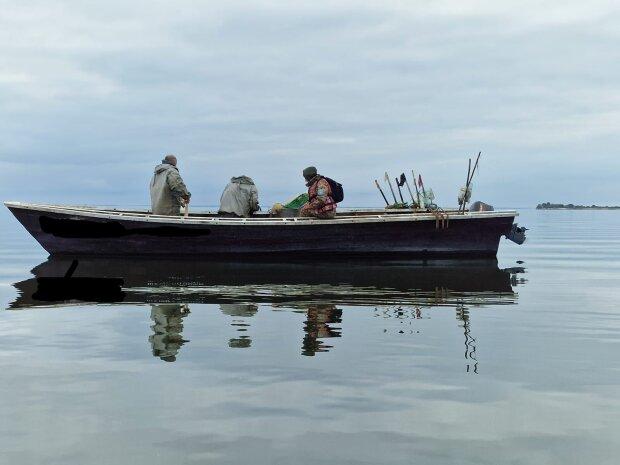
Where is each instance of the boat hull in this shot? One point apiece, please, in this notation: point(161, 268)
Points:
point(87, 234)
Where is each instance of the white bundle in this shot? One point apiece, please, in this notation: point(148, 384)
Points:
point(464, 195)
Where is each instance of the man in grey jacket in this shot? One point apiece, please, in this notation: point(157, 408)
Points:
point(240, 198)
point(168, 191)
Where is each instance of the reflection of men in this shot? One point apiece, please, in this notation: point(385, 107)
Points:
point(240, 311)
point(317, 327)
point(167, 339)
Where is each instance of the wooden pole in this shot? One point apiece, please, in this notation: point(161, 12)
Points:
point(382, 194)
point(387, 178)
point(470, 178)
point(415, 184)
point(400, 193)
point(404, 178)
point(475, 166)
point(462, 207)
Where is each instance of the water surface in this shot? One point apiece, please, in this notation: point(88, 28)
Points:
point(297, 363)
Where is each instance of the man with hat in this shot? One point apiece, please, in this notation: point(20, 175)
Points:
point(320, 197)
point(168, 191)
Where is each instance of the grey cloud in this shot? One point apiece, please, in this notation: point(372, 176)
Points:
point(105, 90)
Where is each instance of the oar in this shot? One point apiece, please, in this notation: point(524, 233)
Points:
point(382, 194)
point(387, 178)
point(399, 191)
point(403, 179)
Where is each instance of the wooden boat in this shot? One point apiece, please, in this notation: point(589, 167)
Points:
point(88, 231)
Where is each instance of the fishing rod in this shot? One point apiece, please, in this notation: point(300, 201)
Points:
point(470, 178)
point(382, 194)
point(403, 180)
point(473, 171)
point(417, 192)
point(387, 178)
point(462, 204)
point(422, 186)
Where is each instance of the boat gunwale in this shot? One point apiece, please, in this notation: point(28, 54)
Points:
point(124, 215)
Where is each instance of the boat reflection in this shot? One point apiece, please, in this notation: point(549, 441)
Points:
point(396, 289)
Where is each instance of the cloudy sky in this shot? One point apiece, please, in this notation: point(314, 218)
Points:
point(92, 94)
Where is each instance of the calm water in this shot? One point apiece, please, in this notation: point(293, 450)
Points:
point(350, 363)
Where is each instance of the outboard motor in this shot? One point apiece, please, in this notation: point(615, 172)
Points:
point(516, 234)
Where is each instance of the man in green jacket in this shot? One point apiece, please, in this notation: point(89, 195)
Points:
point(168, 191)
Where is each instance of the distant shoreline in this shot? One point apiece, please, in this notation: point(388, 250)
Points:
point(570, 206)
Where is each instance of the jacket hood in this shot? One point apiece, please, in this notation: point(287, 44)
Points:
point(164, 167)
point(242, 180)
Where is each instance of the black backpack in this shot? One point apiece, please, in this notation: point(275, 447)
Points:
point(336, 187)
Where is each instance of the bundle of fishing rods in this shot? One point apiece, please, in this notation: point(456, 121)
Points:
point(424, 199)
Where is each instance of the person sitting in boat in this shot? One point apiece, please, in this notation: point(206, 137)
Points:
point(168, 191)
point(239, 199)
point(320, 197)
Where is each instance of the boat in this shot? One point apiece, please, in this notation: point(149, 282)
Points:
point(91, 231)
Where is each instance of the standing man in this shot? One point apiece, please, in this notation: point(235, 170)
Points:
point(168, 191)
point(320, 197)
point(239, 199)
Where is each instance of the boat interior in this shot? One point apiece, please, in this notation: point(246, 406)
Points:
point(289, 213)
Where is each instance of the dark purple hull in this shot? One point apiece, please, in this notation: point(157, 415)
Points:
point(82, 235)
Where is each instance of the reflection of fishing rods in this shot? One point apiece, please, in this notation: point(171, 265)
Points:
point(382, 194)
point(470, 341)
point(387, 178)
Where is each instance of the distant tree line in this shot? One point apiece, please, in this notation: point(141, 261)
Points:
point(570, 206)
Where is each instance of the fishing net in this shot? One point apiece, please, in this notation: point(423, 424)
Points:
point(297, 202)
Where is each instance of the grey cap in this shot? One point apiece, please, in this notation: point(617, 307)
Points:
point(170, 159)
point(310, 172)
